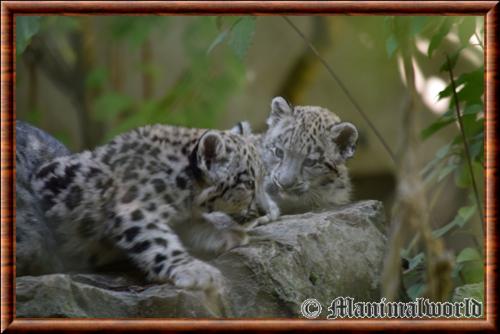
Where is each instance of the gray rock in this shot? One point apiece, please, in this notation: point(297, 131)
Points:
point(34, 238)
point(314, 255)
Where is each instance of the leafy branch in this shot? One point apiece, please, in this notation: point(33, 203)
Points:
point(464, 139)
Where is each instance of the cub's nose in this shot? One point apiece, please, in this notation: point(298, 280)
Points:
point(285, 182)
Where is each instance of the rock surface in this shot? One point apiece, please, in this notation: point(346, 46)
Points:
point(314, 255)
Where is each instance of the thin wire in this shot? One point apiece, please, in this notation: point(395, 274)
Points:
point(343, 87)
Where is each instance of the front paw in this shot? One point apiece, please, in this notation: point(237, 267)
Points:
point(197, 275)
point(270, 217)
point(233, 238)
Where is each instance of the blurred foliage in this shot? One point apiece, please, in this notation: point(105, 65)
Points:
point(26, 28)
point(198, 97)
point(451, 158)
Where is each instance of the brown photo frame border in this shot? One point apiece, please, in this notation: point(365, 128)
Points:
point(9, 9)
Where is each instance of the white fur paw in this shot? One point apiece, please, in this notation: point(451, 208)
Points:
point(197, 275)
point(270, 217)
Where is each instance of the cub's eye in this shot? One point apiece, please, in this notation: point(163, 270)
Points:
point(309, 162)
point(248, 184)
point(278, 152)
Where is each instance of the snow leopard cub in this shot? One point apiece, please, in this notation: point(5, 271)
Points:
point(126, 198)
point(304, 151)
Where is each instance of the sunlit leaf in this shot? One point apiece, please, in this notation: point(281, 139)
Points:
point(447, 91)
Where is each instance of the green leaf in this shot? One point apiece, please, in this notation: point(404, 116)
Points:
point(467, 212)
point(218, 40)
point(476, 148)
point(473, 272)
point(447, 91)
point(431, 166)
point(418, 23)
point(466, 29)
point(473, 86)
point(26, 28)
point(242, 36)
point(463, 177)
point(438, 233)
point(446, 171)
point(438, 37)
point(443, 151)
point(469, 116)
point(463, 216)
point(436, 126)
point(391, 45)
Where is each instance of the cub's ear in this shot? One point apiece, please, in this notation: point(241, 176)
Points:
point(211, 149)
point(242, 128)
point(345, 135)
point(279, 109)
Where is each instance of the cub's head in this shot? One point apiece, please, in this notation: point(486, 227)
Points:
point(229, 172)
point(304, 147)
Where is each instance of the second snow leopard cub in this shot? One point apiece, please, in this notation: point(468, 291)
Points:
point(126, 197)
point(304, 151)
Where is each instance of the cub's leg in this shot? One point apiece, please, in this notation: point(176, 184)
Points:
point(146, 237)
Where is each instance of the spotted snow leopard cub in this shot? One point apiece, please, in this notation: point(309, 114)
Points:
point(304, 151)
point(126, 197)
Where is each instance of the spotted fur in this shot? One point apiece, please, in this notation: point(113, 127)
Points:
point(126, 198)
point(304, 151)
